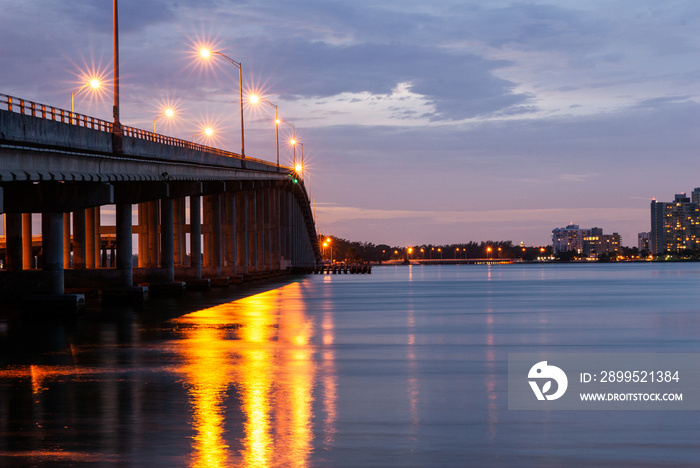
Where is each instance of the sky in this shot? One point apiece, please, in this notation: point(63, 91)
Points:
point(422, 122)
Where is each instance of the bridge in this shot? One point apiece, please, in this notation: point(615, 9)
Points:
point(88, 205)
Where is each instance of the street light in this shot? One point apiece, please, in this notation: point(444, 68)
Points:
point(299, 167)
point(328, 242)
point(293, 142)
point(94, 84)
point(254, 99)
point(488, 252)
point(205, 53)
point(169, 113)
point(207, 131)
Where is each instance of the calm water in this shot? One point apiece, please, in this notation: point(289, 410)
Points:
point(406, 367)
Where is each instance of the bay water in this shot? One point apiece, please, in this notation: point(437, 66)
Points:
point(406, 367)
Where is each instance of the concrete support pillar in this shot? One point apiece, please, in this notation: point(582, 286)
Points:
point(27, 251)
point(152, 221)
point(216, 257)
point(268, 230)
point(178, 231)
point(242, 253)
point(260, 217)
point(231, 241)
point(13, 241)
point(288, 197)
point(90, 238)
point(52, 248)
point(206, 238)
point(98, 237)
point(196, 234)
point(66, 241)
point(283, 254)
point(142, 213)
point(167, 258)
point(252, 232)
point(124, 245)
point(79, 240)
point(278, 228)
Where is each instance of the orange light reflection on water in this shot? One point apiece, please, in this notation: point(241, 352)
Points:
point(259, 347)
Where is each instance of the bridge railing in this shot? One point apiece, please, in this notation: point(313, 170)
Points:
point(23, 106)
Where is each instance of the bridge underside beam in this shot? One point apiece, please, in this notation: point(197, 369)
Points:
point(23, 197)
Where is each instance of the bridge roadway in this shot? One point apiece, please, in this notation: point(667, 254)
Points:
point(192, 213)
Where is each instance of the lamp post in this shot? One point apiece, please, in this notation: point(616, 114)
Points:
point(299, 168)
point(169, 113)
point(94, 84)
point(254, 99)
point(328, 241)
point(293, 142)
point(207, 131)
point(205, 53)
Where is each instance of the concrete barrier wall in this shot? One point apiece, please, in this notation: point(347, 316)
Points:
point(153, 150)
point(27, 129)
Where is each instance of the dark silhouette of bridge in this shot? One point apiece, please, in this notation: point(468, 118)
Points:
point(123, 208)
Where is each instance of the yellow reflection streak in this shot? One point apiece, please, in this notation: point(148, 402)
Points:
point(269, 360)
point(330, 392)
point(413, 390)
point(207, 369)
point(296, 395)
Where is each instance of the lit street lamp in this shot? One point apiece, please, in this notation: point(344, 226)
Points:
point(94, 84)
point(299, 168)
point(207, 131)
point(169, 113)
point(205, 53)
point(328, 242)
point(254, 99)
point(293, 142)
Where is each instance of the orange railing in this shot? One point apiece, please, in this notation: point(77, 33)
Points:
point(23, 106)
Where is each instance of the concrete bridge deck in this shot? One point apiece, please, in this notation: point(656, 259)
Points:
point(200, 212)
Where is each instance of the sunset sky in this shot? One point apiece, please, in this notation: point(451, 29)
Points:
point(422, 122)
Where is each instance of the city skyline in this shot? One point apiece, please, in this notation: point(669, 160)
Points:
point(438, 123)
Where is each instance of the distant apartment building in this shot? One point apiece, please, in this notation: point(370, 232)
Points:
point(675, 226)
point(644, 241)
point(589, 242)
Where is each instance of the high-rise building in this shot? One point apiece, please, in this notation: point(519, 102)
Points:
point(589, 242)
point(567, 239)
point(675, 226)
